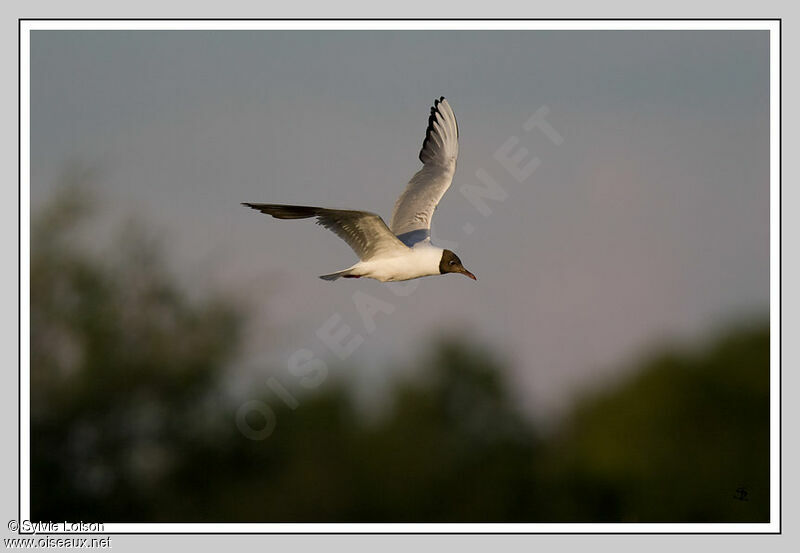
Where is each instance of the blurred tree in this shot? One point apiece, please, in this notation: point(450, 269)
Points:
point(449, 450)
point(122, 367)
point(685, 439)
point(128, 422)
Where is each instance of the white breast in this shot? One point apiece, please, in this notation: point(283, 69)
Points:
point(420, 261)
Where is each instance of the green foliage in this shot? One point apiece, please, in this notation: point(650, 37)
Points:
point(121, 363)
point(675, 443)
point(128, 422)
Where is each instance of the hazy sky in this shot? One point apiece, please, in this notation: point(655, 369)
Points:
point(649, 221)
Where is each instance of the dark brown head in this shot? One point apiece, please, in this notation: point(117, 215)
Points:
point(450, 263)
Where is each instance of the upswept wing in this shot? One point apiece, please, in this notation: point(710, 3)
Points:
point(411, 219)
point(364, 232)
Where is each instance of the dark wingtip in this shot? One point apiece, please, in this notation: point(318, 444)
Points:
point(429, 130)
point(281, 211)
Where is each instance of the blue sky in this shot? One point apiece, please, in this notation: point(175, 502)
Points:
point(649, 222)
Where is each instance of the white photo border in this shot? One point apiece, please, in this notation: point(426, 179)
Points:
point(25, 26)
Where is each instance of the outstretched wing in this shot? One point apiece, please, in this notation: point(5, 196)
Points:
point(411, 220)
point(364, 232)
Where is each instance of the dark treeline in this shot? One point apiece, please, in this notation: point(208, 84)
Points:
point(128, 422)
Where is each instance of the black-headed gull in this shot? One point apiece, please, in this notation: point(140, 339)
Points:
point(404, 252)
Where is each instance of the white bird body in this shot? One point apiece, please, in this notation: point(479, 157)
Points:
point(405, 251)
point(419, 261)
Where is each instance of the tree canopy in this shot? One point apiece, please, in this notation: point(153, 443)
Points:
point(129, 423)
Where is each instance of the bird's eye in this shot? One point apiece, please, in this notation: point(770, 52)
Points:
point(453, 262)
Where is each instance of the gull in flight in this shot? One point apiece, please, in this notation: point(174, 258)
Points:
point(404, 251)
